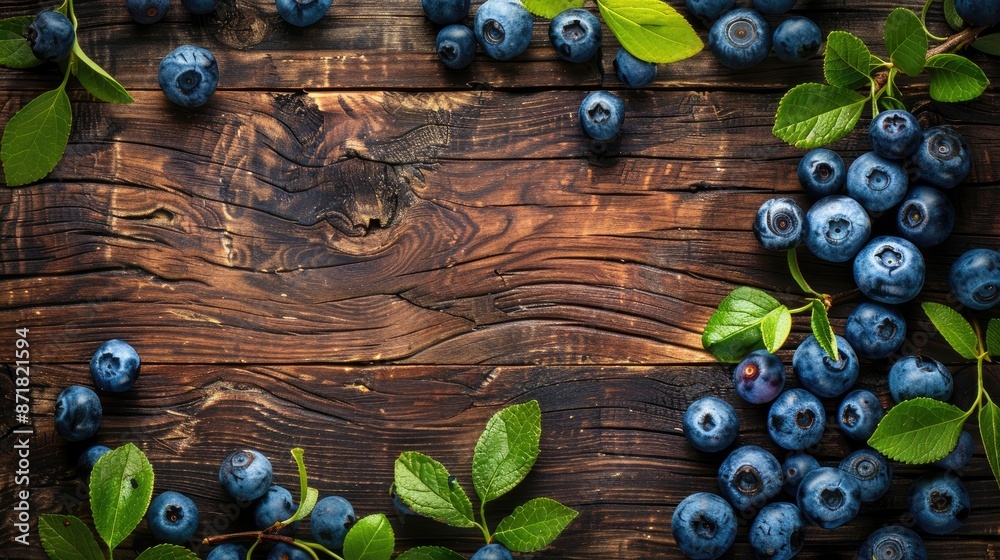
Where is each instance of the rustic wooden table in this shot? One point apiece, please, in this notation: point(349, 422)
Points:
point(353, 250)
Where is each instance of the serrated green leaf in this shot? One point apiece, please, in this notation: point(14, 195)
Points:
point(733, 331)
point(99, 83)
point(811, 115)
point(425, 485)
point(774, 328)
point(989, 429)
point(167, 552)
point(15, 51)
point(430, 553)
point(823, 331)
point(905, 41)
point(955, 78)
point(371, 538)
point(65, 537)
point(918, 431)
point(887, 103)
point(35, 138)
point(550, 8)
point(651, 30)
point(847, 62)
point(534, 525)
point(121, 486)
point(506, 450)
point(989, 44)
point(954, 328)
point(951, 16)
point(993, 337)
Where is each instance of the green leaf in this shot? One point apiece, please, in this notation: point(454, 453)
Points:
point(65, 537)
point(955, 78)
point(506, 450)
point(887, 103)
point(15, 51)
point(121, 486)
point(651, 30)
point(550, 8)
point(989, 428)
point(989, 44)
point(167, 552)
point(774, 328)
point(919, 430)
point(993, 337)
point(811, 115)
point(430, 553)
point(425, 485)
point(954, 20)
point(823, 331)
point(955, 329)
point(905, 41)
point(847, 61)
point(99, 83)
point(734, 331)
point(307, 496)
point(35, 138)
point(371, 538)
point(534, 525)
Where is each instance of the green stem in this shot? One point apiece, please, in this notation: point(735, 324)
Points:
point(484, 526)
point(923, 22)
point(793, 267)
point(804, 308)
point(312, 548)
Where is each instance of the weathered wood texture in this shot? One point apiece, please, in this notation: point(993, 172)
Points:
point(351, 250)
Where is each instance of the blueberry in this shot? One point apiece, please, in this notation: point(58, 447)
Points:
point(939, 502)
point(759, 377)
point(919, 376)
point(875, 182)
point(926, 216)
point(748, 477)
point(456, 46)
point(246, 474)
point(402, 509)
point(889, 270)
point(777, 532)
point(51, 36)
point(819, 373)
point(859, 414)
point(710, 424)
point(114, 366)
point(975, 278)
point(740, 39)
point(228, 551)
point(797, 39)
point(172, 518)
point(302, 13)
point(895, 134)
point(189, 75)
point(493, 551)
point(837, 228)
point(285, 551)
point(829, 497)
point(85, 463)
point(575, 34)
point(875, 330)
point(796, 420)
point(780, 224)
point(773, 7)
point(274, 506)
point(446, 12)
point(796, 467)
point(503, 28)
point(631, 71)
point(709, 10)
point(871, 471)
point(704, 526)
point(822, 172)
point(78, 413)
point(330, 520)
point(978, 12)
point(200, 7)
point(601, 115)
point(959, 456)
point(943, 159)
point(147, 11)
point(894, 542)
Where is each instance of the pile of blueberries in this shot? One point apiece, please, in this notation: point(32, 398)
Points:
point(888, 270)
point(742, 38)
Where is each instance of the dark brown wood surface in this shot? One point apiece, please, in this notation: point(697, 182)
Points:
point(352, 250)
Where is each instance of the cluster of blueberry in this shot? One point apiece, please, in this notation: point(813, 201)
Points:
point(296, 12)
point(114, 368)
point(741, 37)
